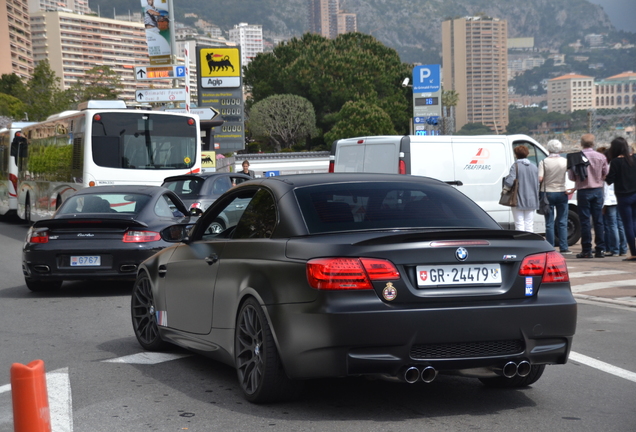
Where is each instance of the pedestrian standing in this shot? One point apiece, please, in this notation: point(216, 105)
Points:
point(527, 176)
point(552, 171)
point(623, 175)
point(246, 169)
point(587, 169)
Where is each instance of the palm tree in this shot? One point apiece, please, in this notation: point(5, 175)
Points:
point(449, 102)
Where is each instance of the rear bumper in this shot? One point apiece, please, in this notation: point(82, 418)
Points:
point(55, 265)
point(371, 337)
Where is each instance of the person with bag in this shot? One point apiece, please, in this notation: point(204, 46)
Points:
point(526, 175)
point(552, 171)
point(588, 180)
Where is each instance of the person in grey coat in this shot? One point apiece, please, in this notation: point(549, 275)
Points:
point(528, 192)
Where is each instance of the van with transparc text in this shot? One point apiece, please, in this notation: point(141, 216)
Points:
point(476, 165)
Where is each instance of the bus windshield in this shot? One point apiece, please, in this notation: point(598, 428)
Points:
point(143, 141)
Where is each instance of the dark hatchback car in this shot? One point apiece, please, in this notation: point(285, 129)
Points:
point(102, 233)
point(198, 191)
point(334, 275)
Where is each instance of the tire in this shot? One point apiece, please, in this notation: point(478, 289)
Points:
point(144, 318)
point(216, 227)
point(258, 366)
point(27, 210)
point(574, 227)
point(515, 382)
point(39, 286)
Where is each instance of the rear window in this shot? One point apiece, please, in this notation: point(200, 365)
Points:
point(104, 203)
point(369, 205)
point(185, 188)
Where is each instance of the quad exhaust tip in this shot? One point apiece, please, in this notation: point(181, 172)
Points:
point(413, 374)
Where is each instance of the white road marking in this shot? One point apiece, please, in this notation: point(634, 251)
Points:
point(600, 285)
point(60, 400)
point(605, 367)
point(58, 388)
point(596, 273)
point(147, 358)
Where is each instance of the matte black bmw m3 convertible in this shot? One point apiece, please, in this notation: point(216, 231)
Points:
point(335, 275)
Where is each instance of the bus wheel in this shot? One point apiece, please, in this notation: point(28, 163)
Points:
point(27, 210)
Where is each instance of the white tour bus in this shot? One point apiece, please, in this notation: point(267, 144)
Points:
point(9, 144)
point(103, 143)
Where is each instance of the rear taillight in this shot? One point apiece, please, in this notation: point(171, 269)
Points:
point(140, 236)
point(38, 235)
point(196, 205)
point(348, 273)
point(551, 266)
point(332, 166)
point(402, 167)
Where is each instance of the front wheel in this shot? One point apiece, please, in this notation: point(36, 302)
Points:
point(258, 365)
point(515, 382)
point(144, 316)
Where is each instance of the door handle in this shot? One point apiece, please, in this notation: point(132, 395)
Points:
point(162, 271)
point(211, 259)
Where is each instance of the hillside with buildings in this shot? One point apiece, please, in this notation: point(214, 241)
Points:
point(412, 27)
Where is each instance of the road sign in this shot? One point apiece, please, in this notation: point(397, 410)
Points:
point(207, 113)
point(426, 79)
point(146, 73)
point(161, 95)
point(219, 67)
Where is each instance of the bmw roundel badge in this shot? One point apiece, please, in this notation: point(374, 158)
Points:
point(461, 254)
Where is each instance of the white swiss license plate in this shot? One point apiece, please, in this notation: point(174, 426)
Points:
point(86, 260)
point(461, 274)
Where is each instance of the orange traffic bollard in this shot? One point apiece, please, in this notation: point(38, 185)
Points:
point(30, 398)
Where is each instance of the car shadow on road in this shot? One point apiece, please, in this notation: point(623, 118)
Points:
point(341, 399)
point(73, 289)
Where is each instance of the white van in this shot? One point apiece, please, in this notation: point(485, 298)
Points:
point(476, 165)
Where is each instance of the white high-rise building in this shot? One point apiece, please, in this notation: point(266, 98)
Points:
point(249, 38)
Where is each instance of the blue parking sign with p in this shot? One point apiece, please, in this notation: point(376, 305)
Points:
point(426, 78)
point(272, 173)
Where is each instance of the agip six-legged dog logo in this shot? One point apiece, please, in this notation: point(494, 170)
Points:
point(223, 63)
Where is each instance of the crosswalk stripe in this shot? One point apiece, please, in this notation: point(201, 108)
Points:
point(586, 274)
point(601, 285)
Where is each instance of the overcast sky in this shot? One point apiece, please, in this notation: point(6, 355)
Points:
point(622, 13)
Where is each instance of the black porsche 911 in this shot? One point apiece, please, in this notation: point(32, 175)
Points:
point(335, 275)
point(102, 233)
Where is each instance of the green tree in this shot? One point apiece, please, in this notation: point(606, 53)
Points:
point(450, 98)
point(360, 118)
point(99, 82)
point(11, 107)
point(474, 129)
point(12, 85)
point(43, 96)
point(285, 119)
point(332, 72)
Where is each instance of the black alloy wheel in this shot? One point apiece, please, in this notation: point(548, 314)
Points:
point(258, 364)
point(144, 317)
point(515, 382)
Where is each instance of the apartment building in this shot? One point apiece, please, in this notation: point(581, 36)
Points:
point(326, 19)
point(571, 92)
point(15, 39)
point(249, 38)
point(618, 91)
point(475, 63)
point(77, 6)
point(75, 43)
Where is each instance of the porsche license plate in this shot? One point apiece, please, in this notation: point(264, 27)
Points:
point(86, 261)
point(462, 274)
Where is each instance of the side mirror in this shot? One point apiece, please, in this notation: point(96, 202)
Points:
point(176, 233)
